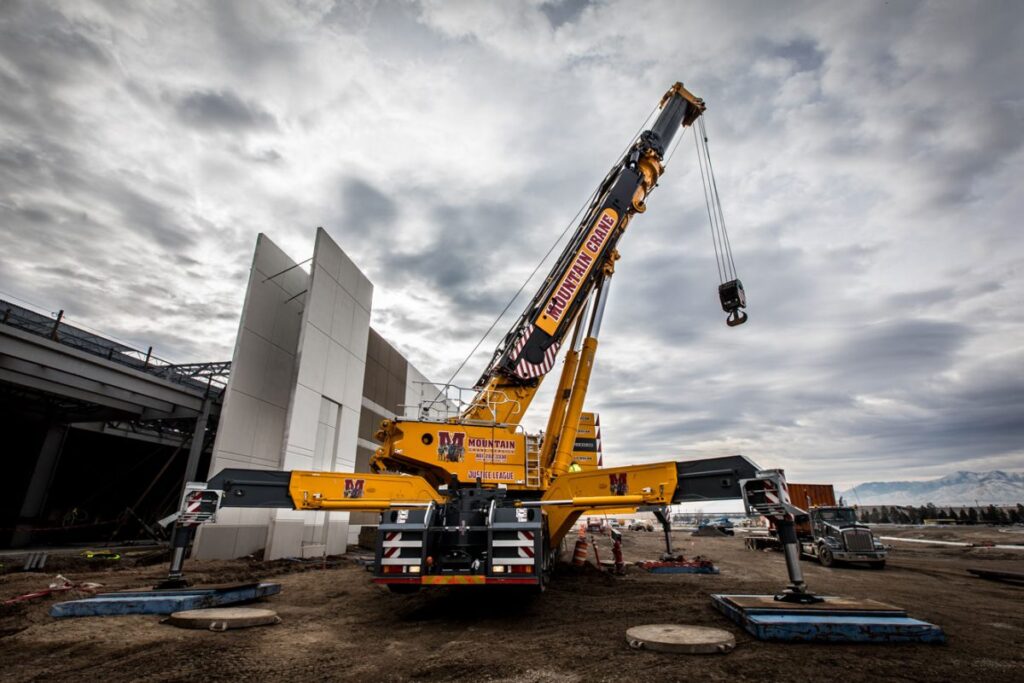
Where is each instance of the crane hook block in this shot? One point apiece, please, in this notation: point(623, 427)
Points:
point(733, 298)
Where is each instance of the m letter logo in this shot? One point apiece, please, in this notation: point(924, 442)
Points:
point(617, 484)
point(451, 446)
point(354, 488)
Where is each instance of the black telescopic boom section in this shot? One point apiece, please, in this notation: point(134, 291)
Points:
point(668, 122)
point(528, 350)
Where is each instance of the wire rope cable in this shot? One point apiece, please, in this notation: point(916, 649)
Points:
point(718, 198)
point(544, 259)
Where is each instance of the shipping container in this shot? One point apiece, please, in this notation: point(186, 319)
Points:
point(806, 496)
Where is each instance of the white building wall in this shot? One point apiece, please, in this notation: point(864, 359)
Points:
point(252, 420)
point(295, 394)
point(323, 418)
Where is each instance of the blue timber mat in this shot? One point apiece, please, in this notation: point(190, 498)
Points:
point(163, 601)
point(836, 620)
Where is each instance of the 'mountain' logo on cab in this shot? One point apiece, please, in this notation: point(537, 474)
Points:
point(451, 446)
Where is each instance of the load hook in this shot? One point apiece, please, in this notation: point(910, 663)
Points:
point(736, 317)
point(733, 298)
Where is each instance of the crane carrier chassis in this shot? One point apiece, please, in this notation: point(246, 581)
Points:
point(467, 534)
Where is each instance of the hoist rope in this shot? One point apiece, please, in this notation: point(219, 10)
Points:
point(718, 198)
point(707, 203)
point(719, 234)
point(551, 249)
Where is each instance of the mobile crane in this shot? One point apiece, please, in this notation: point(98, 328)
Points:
point(470, 498)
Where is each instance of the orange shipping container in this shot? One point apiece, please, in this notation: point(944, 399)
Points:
point(806, 496)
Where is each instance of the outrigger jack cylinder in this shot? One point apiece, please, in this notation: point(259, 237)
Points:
point(768, 495)
point(797, 589)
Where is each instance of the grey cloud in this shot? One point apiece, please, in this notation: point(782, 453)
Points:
point(805, 54)
point(221, 110)
point(561, 12)
point(363, 203)
point(57, 50)
point(897, 351)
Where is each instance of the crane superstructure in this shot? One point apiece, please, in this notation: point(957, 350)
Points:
point(465, 494)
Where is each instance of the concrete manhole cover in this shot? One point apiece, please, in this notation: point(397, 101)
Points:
point(680, 638)
point(224, 618)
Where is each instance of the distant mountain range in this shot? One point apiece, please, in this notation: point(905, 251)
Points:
point(961, 488)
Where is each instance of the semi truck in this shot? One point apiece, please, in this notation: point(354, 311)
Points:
point(826, 531)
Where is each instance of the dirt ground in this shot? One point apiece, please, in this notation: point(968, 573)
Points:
point(338, 626)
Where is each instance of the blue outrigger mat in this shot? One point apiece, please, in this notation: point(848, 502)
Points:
point(163, 601)
point(836, 620)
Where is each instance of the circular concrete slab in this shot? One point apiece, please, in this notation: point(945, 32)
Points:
point(679, 638)
point(224, 618)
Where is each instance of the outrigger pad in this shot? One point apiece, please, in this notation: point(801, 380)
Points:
point(837, 620)
point(163, 601)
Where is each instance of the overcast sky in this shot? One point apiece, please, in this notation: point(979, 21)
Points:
point(868, 156)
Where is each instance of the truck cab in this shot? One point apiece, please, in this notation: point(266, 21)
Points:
point(836, 535)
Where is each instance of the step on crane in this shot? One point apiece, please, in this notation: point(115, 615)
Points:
point(465, 495)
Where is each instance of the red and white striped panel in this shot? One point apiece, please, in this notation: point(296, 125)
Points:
point(392, 549)
point(393, 539)
point(523, 543)
point(527, 370)
point(525, 539)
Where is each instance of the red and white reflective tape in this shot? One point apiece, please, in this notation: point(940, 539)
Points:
point(524, 368)
point(393, 539)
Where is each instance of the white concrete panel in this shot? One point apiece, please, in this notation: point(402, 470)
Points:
point(284, 538)
point(354, 383)
point(336, 376)
point(230, 516)
point(302, 420)
point(337, 533)
point(329, 256)
point(348, 435)
point(251, 426)
point(294, 282)
point(278, 377)
point(269, 258)
point(226, 460)
point(359, 335)
point(350, 276)
point(269, 435)
point(341, 321)
point(237, 427)
point(248, 370)
point(320, 299)
point(364, 293)
point(298, 458)
point(287, 325)
point(261, 307)
point(313, 358)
